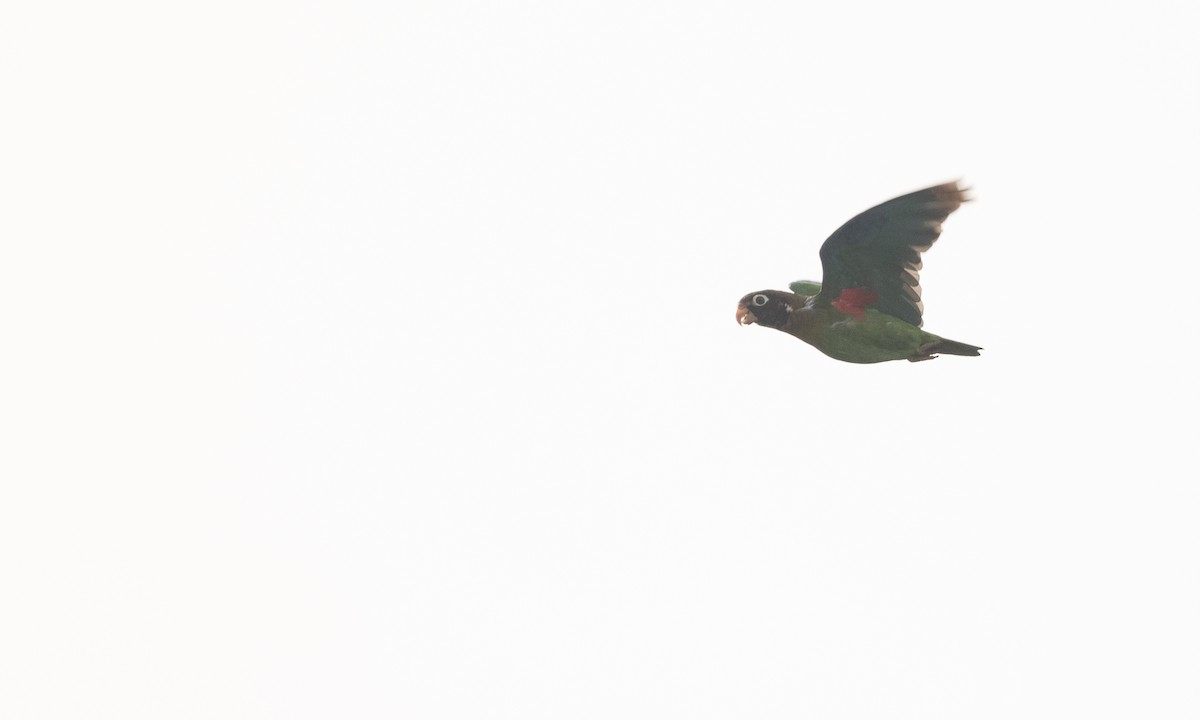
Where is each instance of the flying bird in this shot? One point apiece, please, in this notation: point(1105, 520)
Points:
point(867, 307)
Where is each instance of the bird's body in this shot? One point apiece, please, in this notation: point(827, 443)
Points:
point(870, 337)
point(867, 309)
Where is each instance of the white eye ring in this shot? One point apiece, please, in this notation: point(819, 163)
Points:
point(760, 300)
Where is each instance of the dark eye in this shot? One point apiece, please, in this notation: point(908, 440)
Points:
point(759, 300)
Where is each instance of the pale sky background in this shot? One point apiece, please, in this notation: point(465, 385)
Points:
point(378, 360)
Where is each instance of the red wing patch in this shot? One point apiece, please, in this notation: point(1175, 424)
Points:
point(854, 302)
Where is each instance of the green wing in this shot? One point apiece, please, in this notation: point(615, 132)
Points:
point(880, 250)
point(805, 287)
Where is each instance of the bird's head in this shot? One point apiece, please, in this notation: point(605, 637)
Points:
point(766, 307)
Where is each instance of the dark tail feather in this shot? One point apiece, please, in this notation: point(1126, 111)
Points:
point(950, 347)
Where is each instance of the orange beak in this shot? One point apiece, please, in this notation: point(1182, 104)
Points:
point(744, 316)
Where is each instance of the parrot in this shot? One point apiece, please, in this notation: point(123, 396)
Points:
point(867, 307)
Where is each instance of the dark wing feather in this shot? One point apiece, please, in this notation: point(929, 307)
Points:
point(880, 249)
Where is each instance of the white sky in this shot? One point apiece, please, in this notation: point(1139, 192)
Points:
point(378, 360)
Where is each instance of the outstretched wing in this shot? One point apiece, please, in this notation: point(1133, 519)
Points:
point(879, 251)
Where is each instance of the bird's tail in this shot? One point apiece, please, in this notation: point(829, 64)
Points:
point(950, 347)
